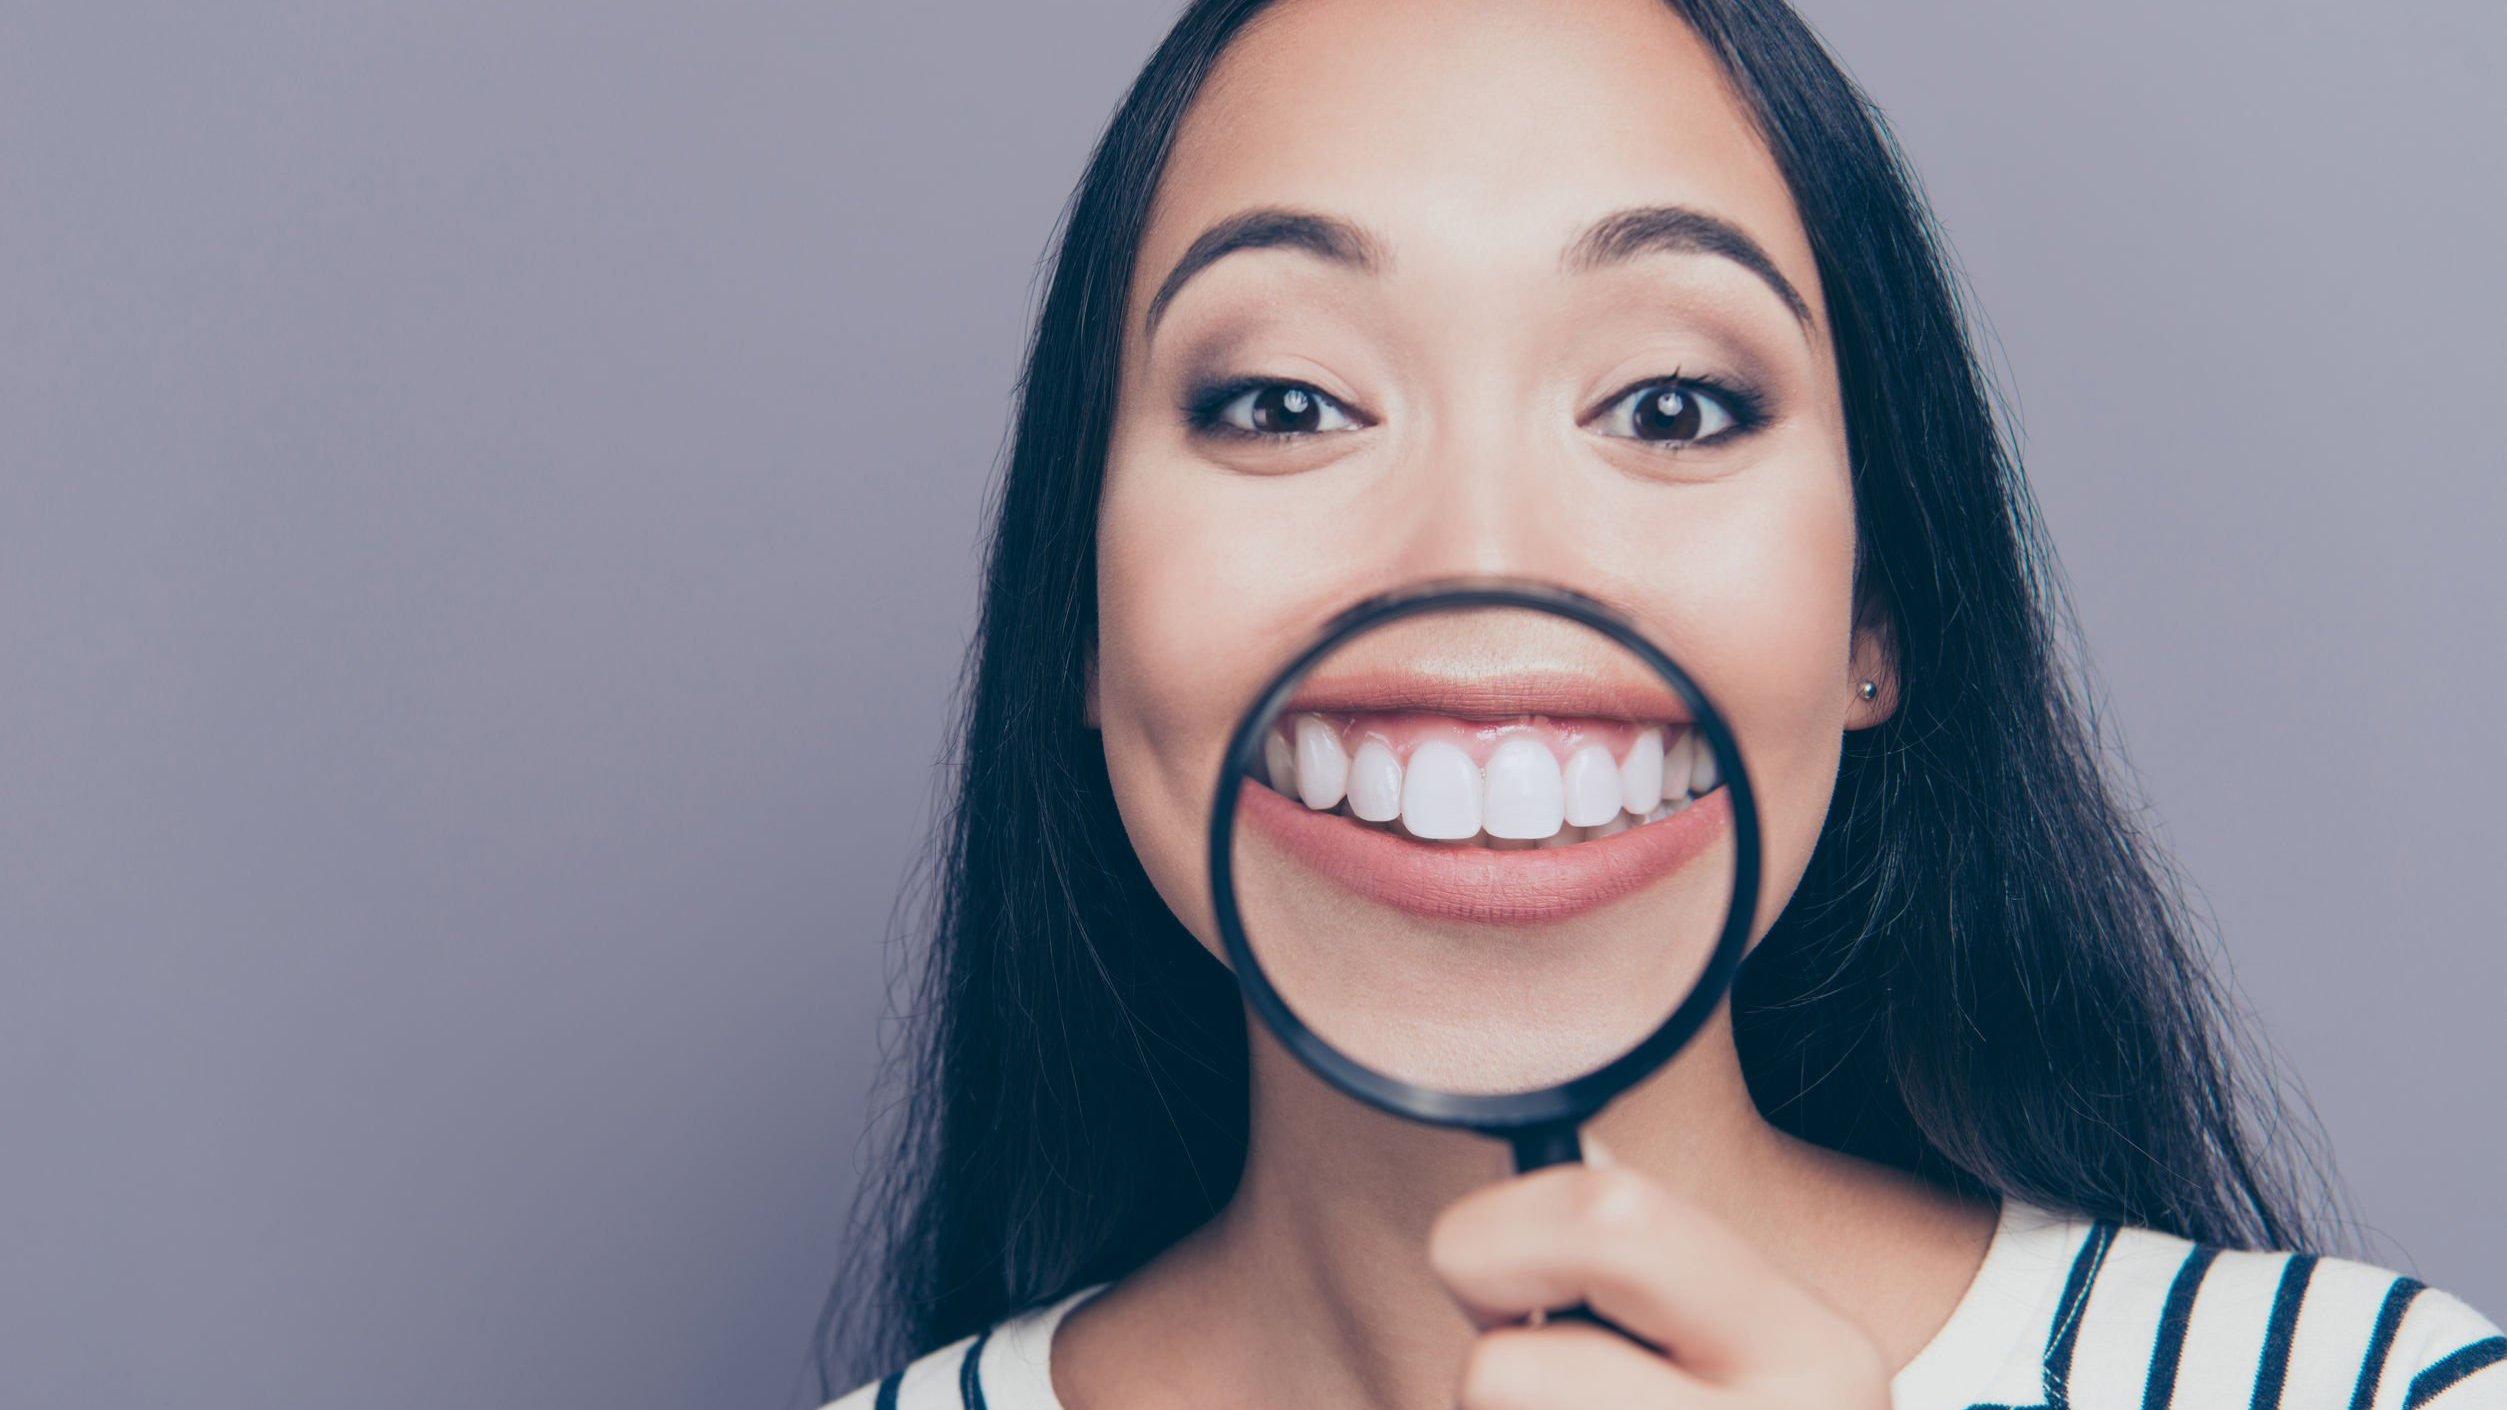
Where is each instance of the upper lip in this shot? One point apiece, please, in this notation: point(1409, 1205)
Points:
point(1483, 696)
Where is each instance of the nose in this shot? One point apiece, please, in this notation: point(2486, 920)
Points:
point(1483, 496)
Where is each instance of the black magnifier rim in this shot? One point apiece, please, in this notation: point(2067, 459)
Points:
point(1578, 1098)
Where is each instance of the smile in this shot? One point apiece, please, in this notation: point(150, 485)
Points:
point(1531, 818)
point(1534, 781)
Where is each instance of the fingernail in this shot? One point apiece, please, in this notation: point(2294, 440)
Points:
point(1595, 1153)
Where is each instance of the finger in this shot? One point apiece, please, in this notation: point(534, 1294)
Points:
point(1570, 1367)
point(1640, 1256)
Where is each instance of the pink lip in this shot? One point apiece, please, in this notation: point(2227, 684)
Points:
point(1456, 881)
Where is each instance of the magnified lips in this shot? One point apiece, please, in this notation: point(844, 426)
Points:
point(1457, 881)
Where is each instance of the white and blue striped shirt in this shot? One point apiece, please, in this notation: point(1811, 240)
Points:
point(2064, 1314)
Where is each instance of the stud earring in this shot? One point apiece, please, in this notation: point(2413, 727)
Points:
point(1869, 689)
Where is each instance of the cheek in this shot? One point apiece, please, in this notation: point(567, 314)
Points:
point(1765, 603)
point(1182, 639)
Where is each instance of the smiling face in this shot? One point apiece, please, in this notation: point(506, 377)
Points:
point(1502, 287)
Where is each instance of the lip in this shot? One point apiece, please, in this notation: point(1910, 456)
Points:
point(1458, 881)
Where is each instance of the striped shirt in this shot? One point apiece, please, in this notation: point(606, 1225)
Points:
point(2064, 1314)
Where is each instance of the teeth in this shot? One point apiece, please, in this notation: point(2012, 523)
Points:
point(1702, 774)
point(1279, 766)
point(1679, 762)
point(1592, 784)
point(1440, 793)
point(1522, 798)
point(1641, 773)
point(1375, 783)
point(1526, 794)
point(1322, 765)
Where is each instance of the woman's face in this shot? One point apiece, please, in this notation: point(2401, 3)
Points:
point(1474, 359)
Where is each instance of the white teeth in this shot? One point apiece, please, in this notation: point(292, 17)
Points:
point(1679, 762)
point(1375, 783)
point(1659, 812)
point(1322, 765)
point(1526, 795)
point(1592, 784)
point(1440, 793)
point(1279, 766)
point(1702, 775)
point(1612, 828)
point(1564, 837)
point(1641, 773)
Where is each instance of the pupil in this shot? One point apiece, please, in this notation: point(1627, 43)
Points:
point(1285, 409)
point(1669, 415)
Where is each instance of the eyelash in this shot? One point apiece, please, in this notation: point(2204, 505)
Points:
point(1202, 406)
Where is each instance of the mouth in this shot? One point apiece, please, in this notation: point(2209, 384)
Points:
point(1511, 818)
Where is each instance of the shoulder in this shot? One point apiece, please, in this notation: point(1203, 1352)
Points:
point(2158, 1320)
point(1004, 1367)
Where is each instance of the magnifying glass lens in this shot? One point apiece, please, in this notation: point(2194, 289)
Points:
point(1484, 849)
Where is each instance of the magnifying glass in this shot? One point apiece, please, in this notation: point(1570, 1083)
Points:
point(1483, 855)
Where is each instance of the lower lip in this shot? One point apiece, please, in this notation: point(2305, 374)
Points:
point(1462, 881)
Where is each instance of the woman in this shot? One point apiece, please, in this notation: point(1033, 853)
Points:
point(1634, 296)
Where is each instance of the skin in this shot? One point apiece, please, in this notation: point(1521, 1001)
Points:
point(1475, 423)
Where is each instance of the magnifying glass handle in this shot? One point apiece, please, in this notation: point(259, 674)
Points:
point(1558, 1145)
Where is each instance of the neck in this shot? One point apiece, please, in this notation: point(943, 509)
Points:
point(1312, 1286)
point(1328, 1231)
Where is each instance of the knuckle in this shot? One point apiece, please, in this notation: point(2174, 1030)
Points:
point(1615, 1203)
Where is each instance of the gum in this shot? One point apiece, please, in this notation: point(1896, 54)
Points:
point(1405, 730)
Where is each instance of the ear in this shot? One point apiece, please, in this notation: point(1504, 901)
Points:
point(1088, 689)
point(1874, 658)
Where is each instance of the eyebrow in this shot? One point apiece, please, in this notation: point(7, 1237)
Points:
point(1615, 239)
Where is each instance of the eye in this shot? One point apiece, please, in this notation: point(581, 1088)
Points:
point(1677, 411)
point(1259, 408)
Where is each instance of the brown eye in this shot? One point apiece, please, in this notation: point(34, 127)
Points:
point(1669, 413)
point(1265, 408)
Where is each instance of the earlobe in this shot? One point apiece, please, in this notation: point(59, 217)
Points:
point(1871, 672)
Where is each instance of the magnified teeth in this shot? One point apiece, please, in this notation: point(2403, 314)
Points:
point(1322, 765)
point(1526, 795)
point(1591, 780)
point(1703, 775)
point(1440, 793)
point(1375, 783)
point(1509, 785)
point(1641, 773)
point(1679, 762)
point(1279, 765)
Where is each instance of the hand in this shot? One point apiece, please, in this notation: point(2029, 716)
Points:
point(1727, 1329)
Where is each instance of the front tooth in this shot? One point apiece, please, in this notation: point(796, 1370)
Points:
point(1592, 783)
point(1613, 828)
point(1279, 763)
point(1440, 793)
point(1375, 783)
point(1703, 775)
point(1641, 773)
point(1526, 795)
point(1322, 765)
point(1679, 762)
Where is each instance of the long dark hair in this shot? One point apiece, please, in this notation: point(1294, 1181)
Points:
point(1987, 973)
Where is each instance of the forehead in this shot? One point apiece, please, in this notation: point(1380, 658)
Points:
point(1472, 134)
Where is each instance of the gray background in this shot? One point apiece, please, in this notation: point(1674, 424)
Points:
point(488, 496)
